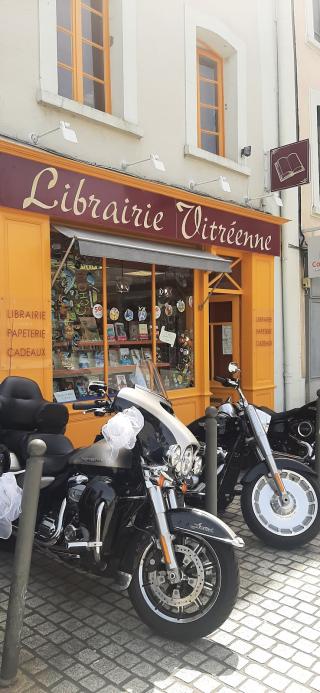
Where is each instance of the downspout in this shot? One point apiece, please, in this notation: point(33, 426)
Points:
point(290, 256)
point(280, 211)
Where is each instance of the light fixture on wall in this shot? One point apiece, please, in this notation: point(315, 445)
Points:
point(223, 183)
point(154, 158)
point(276, 198)
point(67, 133)
point(246, 151)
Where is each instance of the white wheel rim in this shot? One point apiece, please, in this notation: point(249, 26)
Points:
point(301, 493)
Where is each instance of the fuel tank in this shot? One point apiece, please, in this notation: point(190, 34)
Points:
point(101, 454)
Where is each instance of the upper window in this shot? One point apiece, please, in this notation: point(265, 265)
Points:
point(210, 102)
point(316, 19)
point(83, 52)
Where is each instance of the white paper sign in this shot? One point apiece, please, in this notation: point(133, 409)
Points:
point(227, 340)
point(167, 337)
point(65, 396)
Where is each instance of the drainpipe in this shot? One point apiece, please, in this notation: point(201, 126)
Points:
point(294, 385)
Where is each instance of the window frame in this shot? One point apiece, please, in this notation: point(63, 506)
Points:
point(315, 152)
point(310, 36)
point(77, 39)
point(316, 34)
point(205, 52)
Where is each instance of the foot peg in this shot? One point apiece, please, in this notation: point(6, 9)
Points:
point(84, 544)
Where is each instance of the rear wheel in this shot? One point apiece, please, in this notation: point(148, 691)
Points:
point(203, 598)
point(283, 526)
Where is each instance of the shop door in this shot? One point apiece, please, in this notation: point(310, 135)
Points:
point(224, 340)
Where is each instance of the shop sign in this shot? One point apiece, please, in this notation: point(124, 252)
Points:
point(289, 165)
point(74, 198)
point(314, 257)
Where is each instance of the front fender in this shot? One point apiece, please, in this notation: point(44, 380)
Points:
point(283, 462)
point(200, 522)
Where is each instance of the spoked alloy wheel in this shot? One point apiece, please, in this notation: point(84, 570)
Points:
point(283, 526)
point(200, 601)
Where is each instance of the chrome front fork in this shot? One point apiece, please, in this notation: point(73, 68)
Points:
point(157, 500)
point(265, 448)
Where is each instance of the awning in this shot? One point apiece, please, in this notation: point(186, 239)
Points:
point(130, 249)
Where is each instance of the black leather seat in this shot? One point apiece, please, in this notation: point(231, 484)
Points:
point(25, 415)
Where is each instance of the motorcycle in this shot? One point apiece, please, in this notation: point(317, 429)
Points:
point(117, 505)
point(280, 496)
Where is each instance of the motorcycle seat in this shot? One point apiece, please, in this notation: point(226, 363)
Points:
point(58, 454)
point(280, 415)
point(23, 408)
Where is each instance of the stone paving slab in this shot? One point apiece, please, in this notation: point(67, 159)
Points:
point(81, 635)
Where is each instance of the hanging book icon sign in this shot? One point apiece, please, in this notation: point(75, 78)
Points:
point(289, 166)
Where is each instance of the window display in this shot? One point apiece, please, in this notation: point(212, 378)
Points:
point(77, 313)
point(174, 316)
point(129, 291)
point(103, 315)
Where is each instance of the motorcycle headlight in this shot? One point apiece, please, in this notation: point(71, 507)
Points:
point(197, 465)
point(174, 457)
point(187, 461)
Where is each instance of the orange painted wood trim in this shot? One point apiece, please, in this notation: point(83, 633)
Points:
point(105, 319)
point(28, 152)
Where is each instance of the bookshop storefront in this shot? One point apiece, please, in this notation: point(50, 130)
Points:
point(100, 271)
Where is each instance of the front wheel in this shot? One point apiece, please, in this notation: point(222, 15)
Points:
point(282, 526)
point(203, 598)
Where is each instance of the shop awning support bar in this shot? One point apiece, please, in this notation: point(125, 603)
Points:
point(202, 305)
point(63, 261)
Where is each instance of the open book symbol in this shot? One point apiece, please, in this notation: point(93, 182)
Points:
point(288, 166)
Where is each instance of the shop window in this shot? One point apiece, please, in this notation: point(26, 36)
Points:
point(109, 316)
point(129, 327)
point(210, 102)
point(77, 324)
point(174, 327)
point(83, 52)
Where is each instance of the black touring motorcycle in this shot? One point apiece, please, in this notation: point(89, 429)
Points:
point(280, 496)
point(119, 510)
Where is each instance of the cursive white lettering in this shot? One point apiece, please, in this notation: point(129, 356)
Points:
point(32, 200)
point(111, 212)
point(79, 203)
point(94, 203)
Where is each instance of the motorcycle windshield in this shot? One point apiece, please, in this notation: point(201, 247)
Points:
point(146, 376)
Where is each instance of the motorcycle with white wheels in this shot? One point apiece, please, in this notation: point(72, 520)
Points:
point(280, 496)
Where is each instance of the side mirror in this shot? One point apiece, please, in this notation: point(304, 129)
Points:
point(233, 367)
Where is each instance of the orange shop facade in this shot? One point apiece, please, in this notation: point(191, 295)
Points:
point(100, 270)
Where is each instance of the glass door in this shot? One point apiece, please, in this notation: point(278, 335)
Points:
point(224, 340)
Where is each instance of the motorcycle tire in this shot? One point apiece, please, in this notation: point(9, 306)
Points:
point(177, 611)
point(283, 527)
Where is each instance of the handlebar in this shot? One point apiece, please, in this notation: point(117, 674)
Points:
point(226, 382)
point(84, 406)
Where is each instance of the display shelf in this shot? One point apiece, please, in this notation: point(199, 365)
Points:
point(130, 367)
point(81, 343)
point(74, 372)
point(128, 342)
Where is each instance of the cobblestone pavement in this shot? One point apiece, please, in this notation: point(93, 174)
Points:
point(80, 635)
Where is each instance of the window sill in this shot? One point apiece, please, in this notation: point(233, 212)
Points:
point(315, 211)
point(89, 113)
point(312, 42)
point(197, 153)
